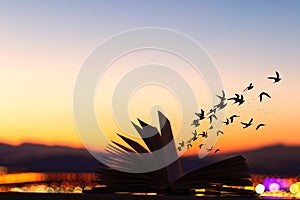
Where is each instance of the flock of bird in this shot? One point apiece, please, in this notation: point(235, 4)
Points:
point(211, 116)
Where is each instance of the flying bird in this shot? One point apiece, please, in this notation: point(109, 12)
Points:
point(213, 110)
point(250, 87)
point(259, 125)
point(212, 116)
point(200, 146)
point(227, 122)
point(194, 133)
point(247, 124)
point(238, 99)
point(201, 115)
point(219, 132)
point(190, 140)
point(217, 150)
point(276, 79)
point(194, 138)
point(232, 118)
point(195, 123)
point(189, 145)
point(204, 134)
point(209, 149)
point(222, 98)
point(221, 105)
point(181, 144)
point(263, 94)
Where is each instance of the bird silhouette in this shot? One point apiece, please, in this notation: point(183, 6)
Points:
point(189, 145)
point(200, 115)
point(195, 123)
point(276, 79)
point(250, 87)
point(181, 144)
point(238, 99)
point(232, 118)
point(247, 124)
point(211, 127)
point(194, 133)
point(211, 118)
point(227, 122)
point(213, 110)
point(179, 148)
point(190, 140)
point(219, 132)
point(259, 125)
point(194, 138)
point(200, 146)
point(263, 94)
point(204, 134)
point(209, 149)
point(217, 150)
point(221, 105)
point(222, 98)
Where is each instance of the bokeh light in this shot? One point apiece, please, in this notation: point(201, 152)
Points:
point(274, 187)
point(260, 188)
point(294, 188)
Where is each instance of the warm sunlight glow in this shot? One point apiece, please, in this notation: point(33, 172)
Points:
point(22, 178)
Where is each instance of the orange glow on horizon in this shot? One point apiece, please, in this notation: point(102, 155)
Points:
point(22, 178)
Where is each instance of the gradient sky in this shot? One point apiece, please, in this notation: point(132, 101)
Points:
point(44, 43)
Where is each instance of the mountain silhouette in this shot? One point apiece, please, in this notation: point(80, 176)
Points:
point(36, 157)
point(275, 159)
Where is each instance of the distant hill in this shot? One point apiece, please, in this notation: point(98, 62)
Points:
point(35, 157)
point(278, 159)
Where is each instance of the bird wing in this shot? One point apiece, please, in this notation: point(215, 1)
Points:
point(223, 93)
point(251, 120)
point(244, 123)
point(267, 94)
point(260, 97)
point(259, 125)
point(277, 74)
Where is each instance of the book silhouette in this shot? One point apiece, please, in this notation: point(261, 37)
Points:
point(225, 178)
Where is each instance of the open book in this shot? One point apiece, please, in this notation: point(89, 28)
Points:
point(226, 178)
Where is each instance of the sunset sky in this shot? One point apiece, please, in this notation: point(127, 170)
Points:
point(44, 43)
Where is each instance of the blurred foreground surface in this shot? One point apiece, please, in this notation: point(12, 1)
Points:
point(40, 196)
point(68, 185)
